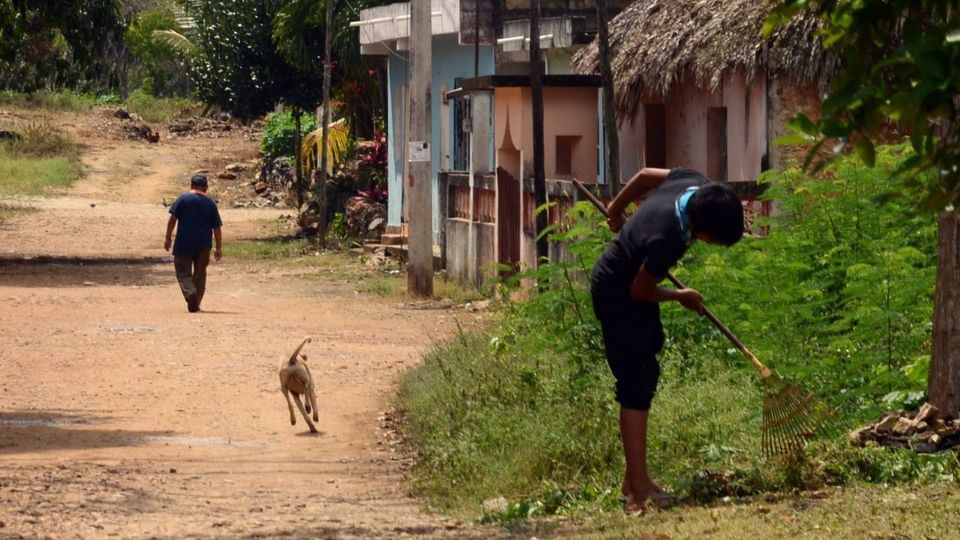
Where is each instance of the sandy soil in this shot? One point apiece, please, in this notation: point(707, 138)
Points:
point(122, 415)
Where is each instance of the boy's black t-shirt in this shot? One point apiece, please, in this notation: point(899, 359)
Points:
point(650, 238)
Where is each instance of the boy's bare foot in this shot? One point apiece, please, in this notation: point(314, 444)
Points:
point(649, 493)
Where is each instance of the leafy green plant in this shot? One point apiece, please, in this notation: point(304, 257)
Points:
point(837, 298)
point(278, 134)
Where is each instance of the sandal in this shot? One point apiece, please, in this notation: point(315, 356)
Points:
point(663, 499)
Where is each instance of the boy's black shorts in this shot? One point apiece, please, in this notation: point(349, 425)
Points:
point(632, 336)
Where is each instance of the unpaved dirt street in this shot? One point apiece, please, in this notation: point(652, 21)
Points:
point(122, 415)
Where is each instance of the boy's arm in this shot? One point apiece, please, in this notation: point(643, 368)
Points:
point(644, 288)
point(642, 182)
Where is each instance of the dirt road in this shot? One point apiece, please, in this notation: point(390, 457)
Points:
point(122, 415)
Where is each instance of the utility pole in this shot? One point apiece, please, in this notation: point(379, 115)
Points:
point(611, 144)
point(325, 123)
point(536, 91)
point(420, 170)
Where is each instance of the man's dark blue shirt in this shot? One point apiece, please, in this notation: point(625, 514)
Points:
point(197, 217)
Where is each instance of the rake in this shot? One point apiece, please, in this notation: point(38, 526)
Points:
point(791, 416)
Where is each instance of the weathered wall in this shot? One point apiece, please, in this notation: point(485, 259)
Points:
point(686, 128)
point(457, 253)
point(449, 62)
point(786, 100)
point(462, 266)
point(486, 264)
point(566, 112)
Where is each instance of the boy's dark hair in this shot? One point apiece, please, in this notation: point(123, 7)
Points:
point(716, 210)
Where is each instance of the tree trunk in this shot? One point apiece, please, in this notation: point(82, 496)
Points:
point(944, 381)
point(297, 168)
point(539, 175)
point(611, 145)
point(325, 126)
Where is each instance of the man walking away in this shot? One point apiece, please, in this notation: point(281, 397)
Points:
point(198, 219)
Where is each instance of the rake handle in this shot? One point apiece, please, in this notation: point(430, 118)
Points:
point(764, 370)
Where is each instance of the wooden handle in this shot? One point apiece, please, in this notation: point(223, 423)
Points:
point(764, 370)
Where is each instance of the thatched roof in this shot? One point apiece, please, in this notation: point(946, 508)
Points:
point(655, 43)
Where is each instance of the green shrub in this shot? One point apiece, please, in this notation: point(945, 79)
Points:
point(837, 298)
point(278, 133)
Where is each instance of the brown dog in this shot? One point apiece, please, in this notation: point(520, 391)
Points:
point(295, 378)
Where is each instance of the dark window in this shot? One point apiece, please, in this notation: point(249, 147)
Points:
point(717, 143)
point(461, 138)
point(566, 144)
point(655, 135)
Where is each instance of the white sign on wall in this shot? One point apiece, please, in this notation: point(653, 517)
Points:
point(418, 151)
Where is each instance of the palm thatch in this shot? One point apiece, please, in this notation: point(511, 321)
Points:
point(656, 43)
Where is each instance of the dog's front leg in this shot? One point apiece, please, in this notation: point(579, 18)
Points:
point(286, 394)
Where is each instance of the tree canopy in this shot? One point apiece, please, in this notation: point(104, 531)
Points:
point(58, 43)
point(901, 65)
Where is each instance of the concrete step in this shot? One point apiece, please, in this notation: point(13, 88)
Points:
point(392, 239)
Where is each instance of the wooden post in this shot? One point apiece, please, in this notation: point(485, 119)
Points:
point(297, 164)
point(325, 123)
point(944, 378)
point(611, 144)
point(419, 181)
point(536, 91)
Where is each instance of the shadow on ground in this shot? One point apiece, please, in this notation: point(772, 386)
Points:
point(42, 431)
point(45, 271)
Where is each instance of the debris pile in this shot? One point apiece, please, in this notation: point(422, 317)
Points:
point(366, 219)
point(270, 186)
point(135, 128)
point(219, 125)
point(925, 432)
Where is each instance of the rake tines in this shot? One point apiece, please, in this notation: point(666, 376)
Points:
point(790, 417)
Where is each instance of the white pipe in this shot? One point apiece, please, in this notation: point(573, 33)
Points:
point(501, 41)
point(354, 24)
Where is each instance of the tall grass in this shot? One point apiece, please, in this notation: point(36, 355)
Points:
point(161, 110)
point(39, 160)
point(150, 108)
point(838, 298)
point(66, 100)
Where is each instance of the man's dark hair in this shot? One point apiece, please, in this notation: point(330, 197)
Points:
point(716, 210)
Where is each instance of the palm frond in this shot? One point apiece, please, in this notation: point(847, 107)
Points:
point(174, 40)
point(337, 146)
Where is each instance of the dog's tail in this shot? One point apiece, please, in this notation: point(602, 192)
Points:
point(293, 357)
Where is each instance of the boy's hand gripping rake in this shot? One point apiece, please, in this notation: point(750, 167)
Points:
point(790, 415)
